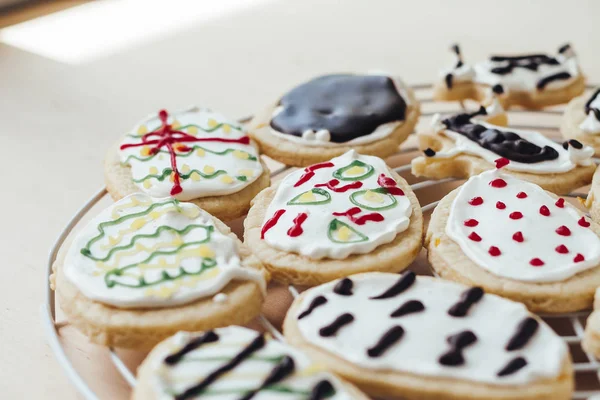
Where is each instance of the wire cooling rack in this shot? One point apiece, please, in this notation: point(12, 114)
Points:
point(569, 326)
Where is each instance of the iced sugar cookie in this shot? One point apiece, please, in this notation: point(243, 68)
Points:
point(516, 240)
point(350, 214)
point(593, 199)
point(465, 144)
point(234, 363)
point(416, 337)
point(591, 339)
point(581, 120)
point(146, 268)
point(195, 155)
point(531, 81)
point(329, 115)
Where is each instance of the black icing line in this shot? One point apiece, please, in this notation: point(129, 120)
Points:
point(206, 337)
point(458, 342)
point(560, 76)
point(403, 283)
point(512, 366)
point(467, 299)
point(282, 370)
point(317, 302)
point(387, 340)
point(588, 105)
point(525, 331)
point(322, 390)
point(410, 307)
point(337, 324)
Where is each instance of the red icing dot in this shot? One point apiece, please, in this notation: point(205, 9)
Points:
point(500, 205)
point(521, 195)
point(471, 222)
point(501, 162)
point(536, 262)
point(476, 201)
point(515, 215)
point(583, 222)
point(563, 231)
point(498, 183)
point(560, 203)
point(562, 249)
point(578, 258)
point(494, 251)
point(474, 237)
point(544, 211)
point(518, 237)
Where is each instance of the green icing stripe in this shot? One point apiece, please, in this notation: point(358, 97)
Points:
point(207, 130)
point(339, 174)
point(167, 172)
point(193, 149)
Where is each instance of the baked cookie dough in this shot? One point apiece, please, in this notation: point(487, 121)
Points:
point(531, 81)
point(329, 115)
point(195, 155)
point(591, 337)
point(146, 268)
point(516, 240)
point(417, 337)
point(593, 199)
point(347, 215)
point(234, 363)
point(581, 120)
point(465, 145)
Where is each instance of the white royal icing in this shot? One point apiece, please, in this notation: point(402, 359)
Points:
point(492, 319)
point(166, 380)
point(206, 168)
point(520, 79)
point(322, 137)
point(566, 160)
point(318, 240)
point(540, 238)
point(590, 124)
point(148, 252)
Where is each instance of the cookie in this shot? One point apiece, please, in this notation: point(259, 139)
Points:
point(234, 363)
point(347, 215)
point(465, 145)
point(145, 268)
point(593, 198)
point(581, 120)
point(518, 241)
point(531, 81)
point(195, 155)
point(417, 337)
point(329, 115)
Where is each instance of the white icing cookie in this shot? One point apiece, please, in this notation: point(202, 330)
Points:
point(146, 252)
point(234, 363)
point(211, 155)
point(349, 205)
point(427, 328)
point(514, 229)
point(591, 123)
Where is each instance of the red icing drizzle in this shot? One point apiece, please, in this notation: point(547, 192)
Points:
point(516, 215)
point(518, 237)
point(309, 172)
point(536, 262)
point(471, 222)
point(476, 201)
point(501, 162)
point(583, 222)
point(578, 258)
point(474, 237)
point(562, 249)
point(352, 212)
point(332, 185)
point(560, 203)
point(271, 222)
point(500, 205)
point(563, 231)
point(498, 183)
point(296, 230)
point(521, 195)
point(166, 136)
point(544, 211)
point(389, 184)
point(494, 251)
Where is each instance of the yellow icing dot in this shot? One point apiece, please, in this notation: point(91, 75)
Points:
point(436, 243)
point(162, 262)
point(307, 197)
point(192, 130)
point(139, 247)
point(195, 176)
point(355, 171)
point(138, 224)
point(153, 170)
point(191, 212)
point(142, 130)
point(344, 233)
point(212, 123)
point(208, 169)
point(226, 128)
point(206, 252)
point(242, 155)
point(185, 168)
point(373, 197)
point(112, 240)
point(311, 370)
point(226, 179)
point(145, 151)
point(200, 152)
point(147, 184)
point(154, 214)
point(177, 241)
point(247, 172)
point(172, 177)
point(176, 124)
point(261, 125)
point(160, 157)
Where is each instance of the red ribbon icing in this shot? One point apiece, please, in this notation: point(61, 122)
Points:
point(352, 212)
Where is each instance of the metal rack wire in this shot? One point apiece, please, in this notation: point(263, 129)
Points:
point(585, 365)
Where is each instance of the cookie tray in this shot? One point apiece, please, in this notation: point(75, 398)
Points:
point(569, 326)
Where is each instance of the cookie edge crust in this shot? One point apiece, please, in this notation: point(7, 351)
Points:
point(293, 268)
point(412, 386)
point(294, 154)
point(143, 328)
point(572, 117)
point(119, 183)
point(449, 261)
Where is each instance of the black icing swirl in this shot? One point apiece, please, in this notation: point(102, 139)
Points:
point(348, 106)
point(504, 143)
